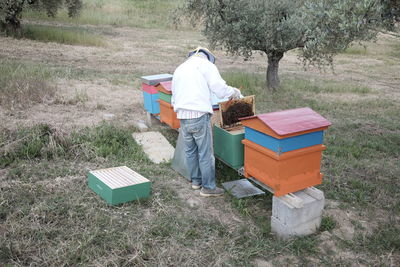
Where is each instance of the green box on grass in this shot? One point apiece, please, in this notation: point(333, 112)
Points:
point(165, 97)
point(119, 185)
point(228, 146)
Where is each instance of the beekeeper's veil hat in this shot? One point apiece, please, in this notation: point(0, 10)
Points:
point(204, 51)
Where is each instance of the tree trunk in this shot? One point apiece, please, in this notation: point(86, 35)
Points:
point(273, 82)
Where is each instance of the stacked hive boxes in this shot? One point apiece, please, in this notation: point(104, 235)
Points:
point(150, 92)
point(167, 114)
point(283, 149)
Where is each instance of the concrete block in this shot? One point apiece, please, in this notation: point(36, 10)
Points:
point(293, 216)
point(284, 231)
point(142, 127)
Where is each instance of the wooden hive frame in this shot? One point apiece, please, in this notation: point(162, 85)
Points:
point(223, 106)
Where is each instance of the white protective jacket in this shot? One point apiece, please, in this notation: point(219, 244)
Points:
point(193, 82)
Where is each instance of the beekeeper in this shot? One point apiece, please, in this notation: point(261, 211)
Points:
point(192, 85)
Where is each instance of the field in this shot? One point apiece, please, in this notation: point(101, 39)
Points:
point(69, 98)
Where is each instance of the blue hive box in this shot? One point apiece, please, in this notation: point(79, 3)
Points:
point(284, 145)
point(150, 103)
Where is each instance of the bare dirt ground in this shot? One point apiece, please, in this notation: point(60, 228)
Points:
point(86, 101)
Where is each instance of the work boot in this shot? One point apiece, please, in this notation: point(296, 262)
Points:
point(196, 186)
point(212, 192)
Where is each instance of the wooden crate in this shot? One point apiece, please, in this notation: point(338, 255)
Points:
point(119, 185)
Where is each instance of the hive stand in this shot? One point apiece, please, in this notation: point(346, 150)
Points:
point(297, 214)
point(293, 214)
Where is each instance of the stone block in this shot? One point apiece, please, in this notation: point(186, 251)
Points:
point(155, 145)
point(291, 216)
point(304, 218)
point(284, 231)
point(142, 127)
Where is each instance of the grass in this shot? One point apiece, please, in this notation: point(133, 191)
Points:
point(395, 51)
point(50, 217)
point(48, 168)
point(139, 13)
point(62, 35)
point(356, 50)
point(21, 85)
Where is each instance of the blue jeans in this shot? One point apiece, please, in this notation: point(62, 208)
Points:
point(199, 151)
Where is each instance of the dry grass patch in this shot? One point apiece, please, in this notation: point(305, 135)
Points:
point(62, 35)
point(22, 85)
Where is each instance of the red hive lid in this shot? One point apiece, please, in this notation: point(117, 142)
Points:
point(165, 87)
point(287, 123)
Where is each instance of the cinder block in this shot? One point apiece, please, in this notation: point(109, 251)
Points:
point(289, 215)
point(284, 231)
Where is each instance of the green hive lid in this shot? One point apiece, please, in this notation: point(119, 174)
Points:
point(118, 177)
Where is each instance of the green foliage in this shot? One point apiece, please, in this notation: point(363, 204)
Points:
point(320, 29)
point(10, 11)
point(391, 13)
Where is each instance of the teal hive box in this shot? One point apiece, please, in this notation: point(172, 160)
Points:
point(119, 185)
point(165, 97)
point(228, 146)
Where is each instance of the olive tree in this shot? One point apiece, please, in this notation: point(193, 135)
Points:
point(10, 11)
point(319, 29)
point(391, 13)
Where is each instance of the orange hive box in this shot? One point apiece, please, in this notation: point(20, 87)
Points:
point(289, 171)
point(285, 173)
point(168, 115)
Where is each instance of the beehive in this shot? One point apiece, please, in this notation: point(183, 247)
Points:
point(168, 115)
point(228, 146)
point(164, 91)
point(150, 92)
point(284, 149)
point(119, 185)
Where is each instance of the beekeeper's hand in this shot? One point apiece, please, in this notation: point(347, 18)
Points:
point(236, 94)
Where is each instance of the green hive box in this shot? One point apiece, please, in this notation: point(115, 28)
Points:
point(165, 97)
point(228, 146)
point(119, 185)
